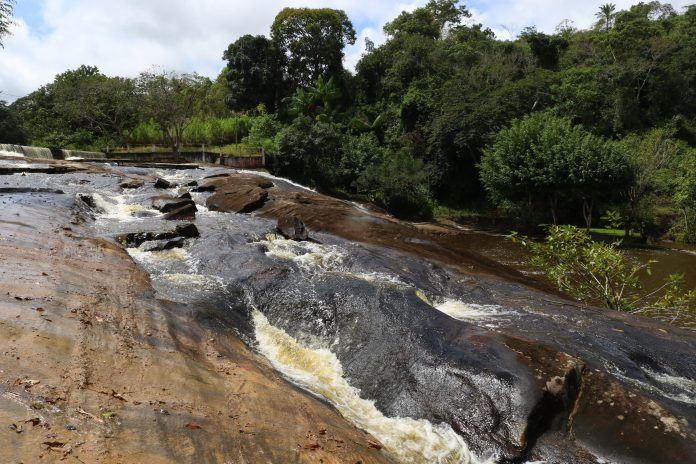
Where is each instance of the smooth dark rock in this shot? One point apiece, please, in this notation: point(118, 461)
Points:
point(187, 230)
point(162, 245)
point(132, 184)
point(254, 203)
point(185, 212)
point(163, 184)
point(292, 228)
point(204, 188)
point(186, 195)
point(167, 203)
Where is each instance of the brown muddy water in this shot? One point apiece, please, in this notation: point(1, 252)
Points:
point(668, 258)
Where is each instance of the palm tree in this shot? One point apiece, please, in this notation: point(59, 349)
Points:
point(606, 15)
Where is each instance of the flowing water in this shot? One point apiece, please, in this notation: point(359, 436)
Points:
point(179, 275)
point(326, 314)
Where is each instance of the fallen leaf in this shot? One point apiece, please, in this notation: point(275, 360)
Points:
point(193, 426)
point(311, 446)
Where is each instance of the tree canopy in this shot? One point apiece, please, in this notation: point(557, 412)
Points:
point(311, 42)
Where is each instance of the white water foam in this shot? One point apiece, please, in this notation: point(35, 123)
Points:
point(122, 209)
point(11, 154)
point(272, 177)
point(471, 312)
point(150, 257)
point(409, 440)
point(308, 256)
point(675, 388)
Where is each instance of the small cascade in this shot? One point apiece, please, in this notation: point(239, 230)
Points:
point(319, 371)
point(14, 151)
point(37, 153)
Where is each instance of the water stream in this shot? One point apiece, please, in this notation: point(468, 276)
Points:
point(326, 314)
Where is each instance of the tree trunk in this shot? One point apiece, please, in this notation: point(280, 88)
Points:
point(587, 213)
point(554, 205)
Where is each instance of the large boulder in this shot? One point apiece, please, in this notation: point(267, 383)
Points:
point(187, 211)
point(163, 184)
point(166, 203)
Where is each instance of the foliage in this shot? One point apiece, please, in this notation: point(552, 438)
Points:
point(317, 101)
point(612, 218)
point(311, 42)
point(600, 273)
point(263, 131)
point(359, 154)
point(6, 7)
point(309, 152)
point(399, 184)
point(171, 100)
point(10, 126)
point(543, 160)
point(254, 73)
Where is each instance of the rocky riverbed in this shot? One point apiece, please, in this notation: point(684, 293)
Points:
point(161, 315)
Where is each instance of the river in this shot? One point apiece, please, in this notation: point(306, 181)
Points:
point(421, 340)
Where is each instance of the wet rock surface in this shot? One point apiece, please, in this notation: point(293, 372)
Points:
point(425, 328)
point(292, 228)
point(95, 369)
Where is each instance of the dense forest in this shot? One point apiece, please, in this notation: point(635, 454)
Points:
point(443, 118)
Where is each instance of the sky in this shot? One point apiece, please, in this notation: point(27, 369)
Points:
point(125, 37)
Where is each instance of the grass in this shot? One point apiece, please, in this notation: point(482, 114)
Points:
point(229, 150)
point(613, 233)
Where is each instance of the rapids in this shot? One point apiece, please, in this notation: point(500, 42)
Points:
point(438, 365)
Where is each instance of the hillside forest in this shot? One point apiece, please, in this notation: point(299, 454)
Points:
point(582, 126)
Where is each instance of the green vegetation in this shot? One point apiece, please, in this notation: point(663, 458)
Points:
point(441, 118)
point(6, 7)
point(599, 273)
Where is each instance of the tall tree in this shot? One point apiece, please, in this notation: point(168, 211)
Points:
point(172, 100)
point(311, 42)
point(606, 15)
point(254, 73)
point(6, 7)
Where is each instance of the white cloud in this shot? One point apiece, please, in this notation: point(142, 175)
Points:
point(507, 18)
point(128, 36)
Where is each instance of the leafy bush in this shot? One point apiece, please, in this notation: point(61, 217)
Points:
point(309, 152)
point(599, 273)
point(400, 184)
point(358, 154)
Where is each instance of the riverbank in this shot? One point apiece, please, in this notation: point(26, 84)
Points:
point(284, 350)
point(96, 369)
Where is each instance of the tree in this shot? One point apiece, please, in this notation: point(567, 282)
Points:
point(311, 42)
point(105, 106)
point(10, 126)
point(6, 7)
point(317, 101)
point(172, 100)
point(606, 15)
point(254, 73)
point(543, 158)
point(309, 152)
point(433, 20)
